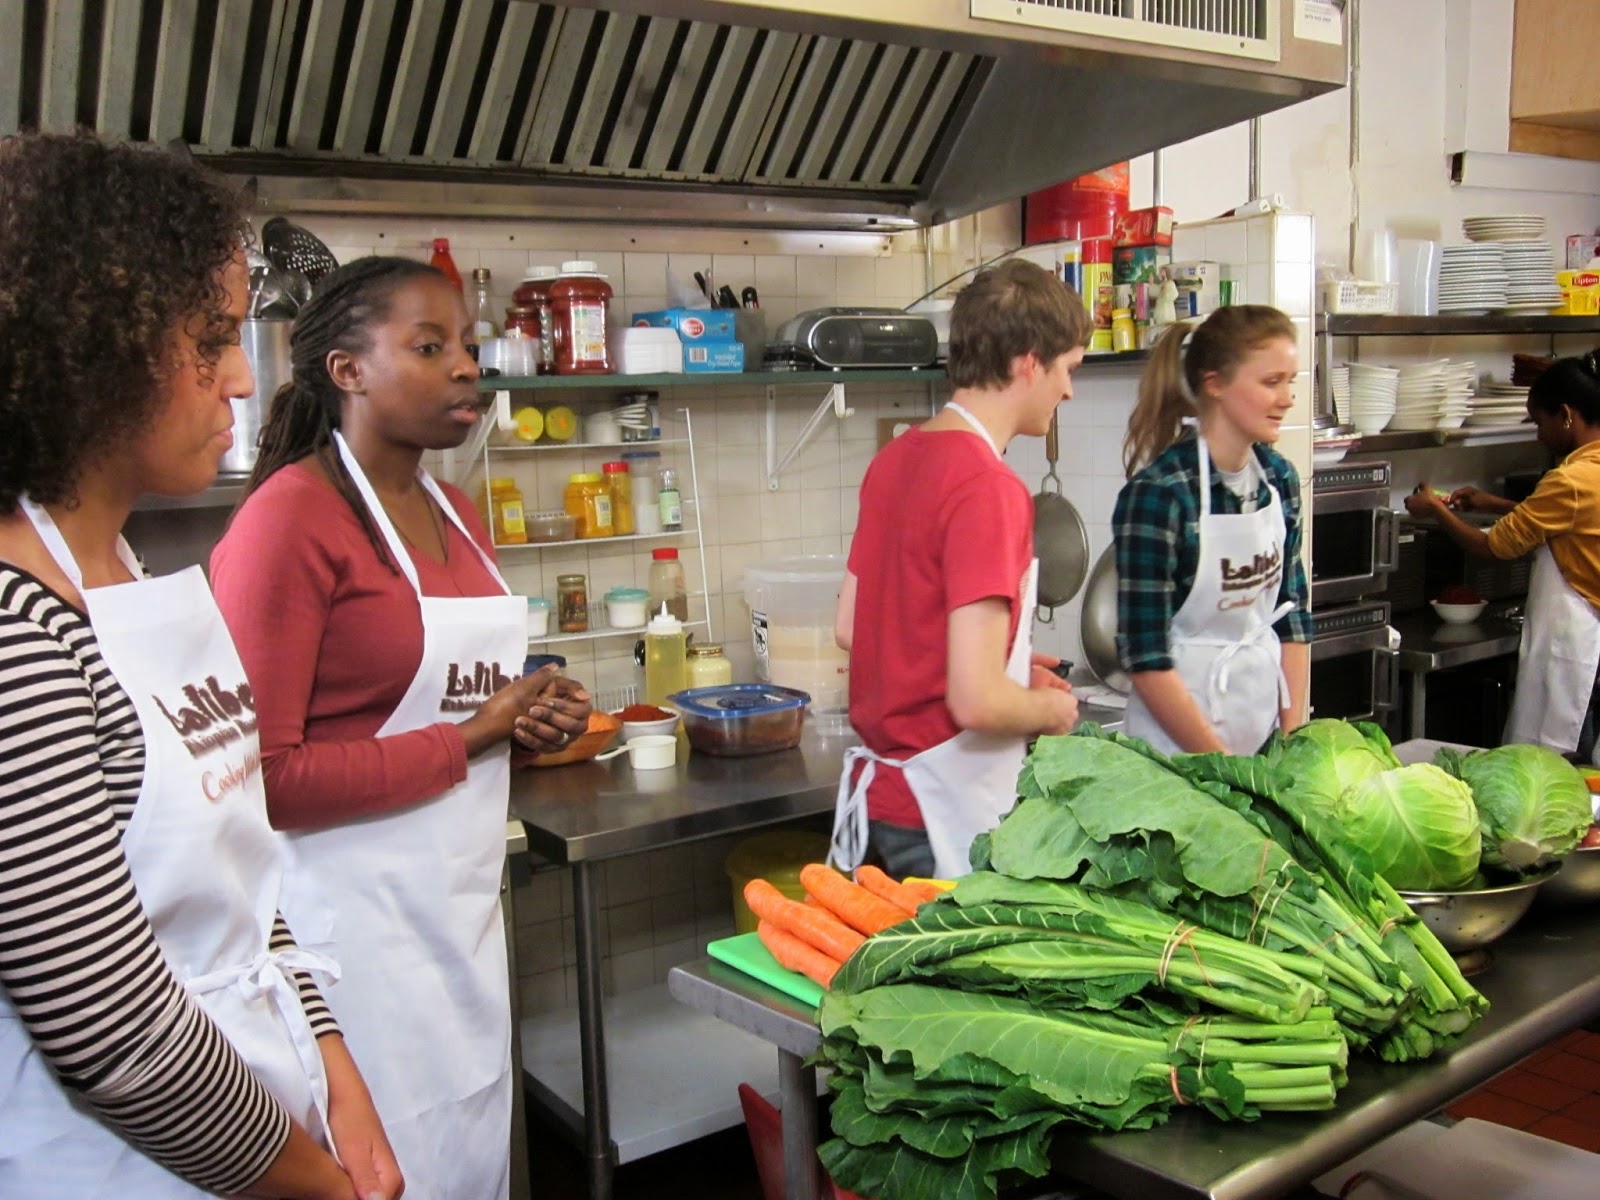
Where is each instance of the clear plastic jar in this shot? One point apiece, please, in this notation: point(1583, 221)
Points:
point(707, 666)
point(506, 522)
point(534, 295)
point(644, 467)
point(572, 603)
point(667, 584)
point(588, 499)
point(619, 482)
point(580, 300)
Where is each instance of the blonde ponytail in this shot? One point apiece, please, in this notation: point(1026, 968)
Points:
point(1170, 388)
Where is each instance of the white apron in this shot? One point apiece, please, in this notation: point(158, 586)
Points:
point(208, 870)
point(1223, 646)
point(409, 901)
point(962, 786)
point(1556, 662)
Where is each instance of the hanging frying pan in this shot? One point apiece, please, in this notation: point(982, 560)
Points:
point(1059, 537)
point(1097, 627)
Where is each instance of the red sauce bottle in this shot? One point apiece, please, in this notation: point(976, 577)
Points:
point(580, 300)
point(441, 261)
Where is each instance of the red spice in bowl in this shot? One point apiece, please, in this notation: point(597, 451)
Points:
point(642, 712)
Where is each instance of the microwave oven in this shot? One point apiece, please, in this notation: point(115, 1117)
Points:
point(1355, 675)
point(1355, 535)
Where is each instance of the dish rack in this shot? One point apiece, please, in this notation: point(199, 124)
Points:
point(1361, 296)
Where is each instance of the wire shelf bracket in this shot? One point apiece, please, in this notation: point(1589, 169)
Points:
point(834, 401)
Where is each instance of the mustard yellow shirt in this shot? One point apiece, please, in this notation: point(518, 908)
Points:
point(1563, 511)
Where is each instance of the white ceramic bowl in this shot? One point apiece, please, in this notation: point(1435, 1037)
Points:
point(638, 729)
point(1459, 614)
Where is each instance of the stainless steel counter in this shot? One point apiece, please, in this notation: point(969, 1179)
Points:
point(1427, 644)
point(1545, 980)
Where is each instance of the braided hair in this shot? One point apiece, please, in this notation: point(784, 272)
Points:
point(306, 410)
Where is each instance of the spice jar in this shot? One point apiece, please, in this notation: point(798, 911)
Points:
point(579, 301)
point(619, 482)
point(707, 666)
point(506, 523)
point(1123, 335)
point(572, 603)
point(589, 501)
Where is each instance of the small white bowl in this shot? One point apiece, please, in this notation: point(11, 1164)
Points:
point(1459, 614)
point(637, 729)
point(655, 752)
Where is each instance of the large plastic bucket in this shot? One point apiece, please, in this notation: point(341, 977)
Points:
point(776, 857)
point(792, 606)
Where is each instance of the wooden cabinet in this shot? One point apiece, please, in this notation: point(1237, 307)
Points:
point(1555, 106)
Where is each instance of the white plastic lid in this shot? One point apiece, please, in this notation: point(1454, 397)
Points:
point(664, 622)
point(579, 266)
point(539, 273)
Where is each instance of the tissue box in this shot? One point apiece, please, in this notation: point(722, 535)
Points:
point(709, 336)
point(1139, 264)
point(1145, 227)
point(1199, 287)
point(1581, 248)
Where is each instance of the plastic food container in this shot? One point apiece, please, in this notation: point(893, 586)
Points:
point(538, 617)
point(546, 527)
point(742, 718)
point(777, 857)
point(792, 604)
point(625, 607)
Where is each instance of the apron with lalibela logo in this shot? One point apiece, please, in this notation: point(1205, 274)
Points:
point(964, 785)
point(409, 901)
point(1556, 662)
point(208, 871)
point(1223, 645)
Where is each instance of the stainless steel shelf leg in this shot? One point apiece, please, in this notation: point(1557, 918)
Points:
point(797, 1098)
point(591, 1032)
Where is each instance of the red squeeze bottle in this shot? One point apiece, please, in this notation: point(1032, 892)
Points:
point(441, 261)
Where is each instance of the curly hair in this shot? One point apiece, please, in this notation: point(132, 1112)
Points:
point(106, 253)
point(340, 315)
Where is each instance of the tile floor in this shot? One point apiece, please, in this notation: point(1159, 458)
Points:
point(1554, 1092)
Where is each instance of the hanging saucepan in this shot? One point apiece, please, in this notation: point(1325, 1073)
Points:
point(1097, 627)
point(1059, 537)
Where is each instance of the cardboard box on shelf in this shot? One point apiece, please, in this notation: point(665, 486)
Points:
point(1139, 264)
point(1581, 249)
point(1145, 227)
point(709, 336)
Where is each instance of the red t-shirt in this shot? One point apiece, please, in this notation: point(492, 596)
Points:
point(331, 637)
point(943, 523)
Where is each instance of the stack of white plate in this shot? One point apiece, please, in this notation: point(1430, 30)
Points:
point(1530, 277)
point(1460, 376)
point(1419, 396)
point(1498, 403)
point(1372, 396)
point(1472, 278)
point(1504, 227)
point(1339, 376)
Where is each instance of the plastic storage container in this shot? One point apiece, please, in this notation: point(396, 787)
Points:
point(538, 617)
point(644, 466)
point(776, 857)
point(792, 606)
point(546, 527)
point(742, 719)
point(625, 607)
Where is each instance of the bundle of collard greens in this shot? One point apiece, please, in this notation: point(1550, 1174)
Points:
point(1140, 933)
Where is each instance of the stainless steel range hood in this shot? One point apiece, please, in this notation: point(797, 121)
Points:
point(821, 113)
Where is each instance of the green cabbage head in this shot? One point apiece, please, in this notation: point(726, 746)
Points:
point(1533, 805)
point(1325, 757)
point(1418, 827)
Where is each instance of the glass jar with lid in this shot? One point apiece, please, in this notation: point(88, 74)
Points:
point(572, 603)
point(707, 666)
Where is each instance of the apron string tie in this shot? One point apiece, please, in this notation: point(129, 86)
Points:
point(847, 848)
point(1221, 666)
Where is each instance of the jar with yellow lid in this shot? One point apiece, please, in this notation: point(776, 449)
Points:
point(504, 505)
point(588, 499)
point(1124, 337)
point(707, 666)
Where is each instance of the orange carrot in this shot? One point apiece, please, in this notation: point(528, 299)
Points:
point(794, 955)
point(850, 902)
point(880, 885)
point(817, 927)
point(922, 890)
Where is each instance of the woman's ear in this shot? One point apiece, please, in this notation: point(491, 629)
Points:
point(1211, 384)
point(345, 371)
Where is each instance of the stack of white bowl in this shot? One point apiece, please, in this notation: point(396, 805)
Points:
point(1498, 403)
point(1372, 396)
point(1460, 376)
point(1472, 278)
point(1339, 377)
point(1419, 395)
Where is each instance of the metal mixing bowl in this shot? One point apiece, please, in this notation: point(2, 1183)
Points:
point(1577, 881)
point(1098, 623)
point(1469, 920)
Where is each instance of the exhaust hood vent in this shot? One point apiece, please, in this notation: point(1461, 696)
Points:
point(831, 113)
point(1245, 28)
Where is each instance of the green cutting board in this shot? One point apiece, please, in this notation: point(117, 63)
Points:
point(746, 953)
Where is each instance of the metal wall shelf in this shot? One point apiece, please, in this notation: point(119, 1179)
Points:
point(1351, 325)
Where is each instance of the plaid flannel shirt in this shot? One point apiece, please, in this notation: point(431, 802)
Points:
point(1156, 532)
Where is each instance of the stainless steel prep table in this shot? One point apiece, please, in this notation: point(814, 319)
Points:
point(1427, 644)
point(582, 814)
point(1545, 981)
